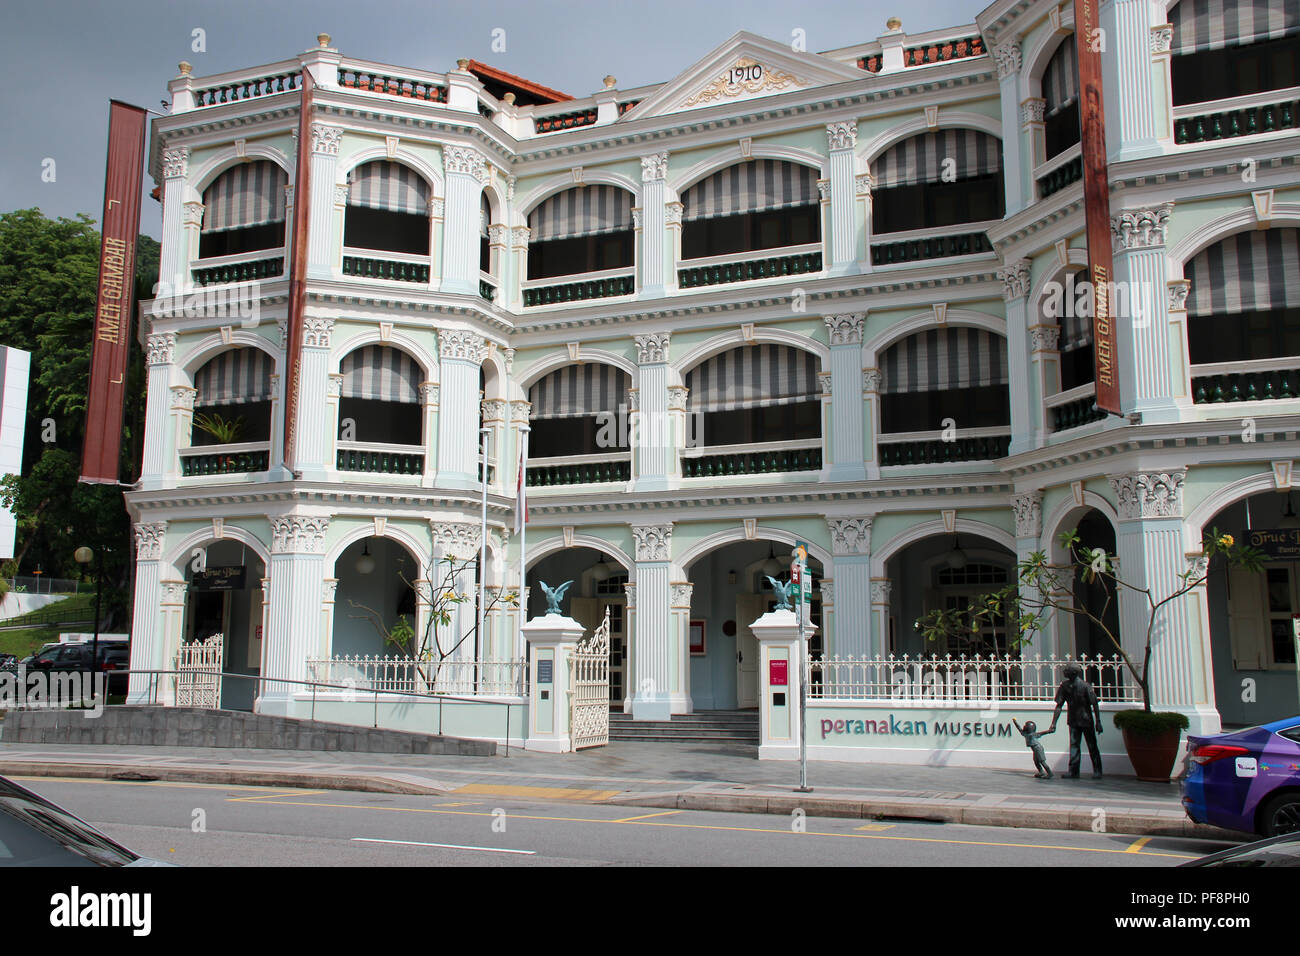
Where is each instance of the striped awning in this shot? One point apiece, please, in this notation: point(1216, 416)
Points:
point(389, 186)
point(919, 159)
point(250, 194)
point(1217, 24)
point(759, 185)
point(382, 374)
point(582, 211)
point(1255, 271)
point(1061, 77)
point(940, 359)
point(753, 376)
point(235, 377)
point(579, 390)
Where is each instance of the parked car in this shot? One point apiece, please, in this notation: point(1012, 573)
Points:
point(1246, 780)
point(36, 832)
point(1277, 851)
point(67, 657)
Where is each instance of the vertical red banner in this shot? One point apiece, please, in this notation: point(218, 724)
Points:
point(111, 335)
point(298, 270)
point(1088, 41)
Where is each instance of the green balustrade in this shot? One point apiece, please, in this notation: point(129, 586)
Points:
point(935, 247)
point(380, 462)
point(246, 89)
point(1082, 411)
point(367, 268)
point(239, 271)
point(1060, 177)
point(760, 462)
point(943, 452)
point(220, 463)
point(1246, 387)
point(777, 266)
point(1231, 124)
point(579, 291)
point(584, 473)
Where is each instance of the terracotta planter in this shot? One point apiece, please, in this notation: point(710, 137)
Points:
point(1153, 757)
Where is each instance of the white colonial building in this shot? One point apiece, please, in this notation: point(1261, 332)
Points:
point(779, 297)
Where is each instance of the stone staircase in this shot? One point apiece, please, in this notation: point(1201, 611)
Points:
point(705, 726)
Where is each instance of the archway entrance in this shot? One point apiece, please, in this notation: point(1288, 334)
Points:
point(224, 596)
point(376, 578)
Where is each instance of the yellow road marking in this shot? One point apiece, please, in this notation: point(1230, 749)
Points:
point(876, 827)
point(271, 796)
point(666, 813)
point(703, 826)
point(546, 793)
point(1138, 844)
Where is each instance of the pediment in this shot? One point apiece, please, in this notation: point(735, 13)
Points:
point(746, 67)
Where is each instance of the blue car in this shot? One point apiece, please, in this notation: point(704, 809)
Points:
point(1246, 780)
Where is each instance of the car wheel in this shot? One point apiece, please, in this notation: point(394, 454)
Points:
point(1281, 814)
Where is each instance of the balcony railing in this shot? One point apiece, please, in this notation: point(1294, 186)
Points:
point(241, 268)
point(944, 50)
point(392, 266)
point(1075, 407)
point(592, 285)
point(1265, 112)
point(224, 459)
point(580, 470)
point(754, 460)
point(487, 287)
point(1255, 381)
point(1059, 171)
point(380, 459)
point(922, 244)
point(247, 88)
point(358, 77)
point(563, 121)
point(745, 266)
point(971, 446)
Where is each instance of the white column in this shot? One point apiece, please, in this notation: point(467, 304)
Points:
point(653, 646)
point(654, 193)
point(654, 446)
point(494, 417)
point(629, 634)
point(679, 429)
point(429, 409)
point(294, 605)
point(847, 432)
point(1006, 56)
point(311, 437)
point(519, 236)
point(679, 690)
point(333, 396)
point(871, 420)
point(842, 139)
point(437, 220)
point(174, 252)
point(159, 349)
point(1015, 290)
point(862, 188)
point(461, 353)
point(1028, 511)
point(320, 232)
point(851, 549)
point(1126, 60)
point(179, 427)
point(466, 171)
point(147, 632)
point(1143, 360)
point(778, 706)
point(1045, 377)
point(880, 588)
point(170, 633)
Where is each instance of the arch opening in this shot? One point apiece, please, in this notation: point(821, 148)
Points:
point(223, 596)
point(244, 210)
point(755, 205)
point(387, 209)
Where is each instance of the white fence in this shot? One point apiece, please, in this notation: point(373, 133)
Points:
point(198, 678)
point(410, 676)
point(962, 678)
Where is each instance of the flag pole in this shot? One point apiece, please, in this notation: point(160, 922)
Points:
point(480, 651)
point(521, 524)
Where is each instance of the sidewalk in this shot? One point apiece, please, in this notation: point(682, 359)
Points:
point(678, 776)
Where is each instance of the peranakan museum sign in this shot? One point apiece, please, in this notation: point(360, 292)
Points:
point(1278, 544)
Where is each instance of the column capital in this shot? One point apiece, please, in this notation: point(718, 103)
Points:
point(677, 395)
point(842, 135)
point(1178, 292)
point(519, 236)
point(673, 213)
point(149, 540)
point(493, 410)
point(850, 535)
point(653, 542)
point(846, 329)
point(871, 381)
point(1044, 338)
point(1154, 494)
point(1006, 56)
point(192, 214)
point(1015, 279)
point(654, 168)
point(316, 333)
point(519, 410)
point(176, 162)
point(461, 344)
point(880, 588)
point(298, 534)
point(183, 397)
point(325, 140)
point(1162, 38)
point(681, 594)
point(1028, 509)
point(456, 539)
point(1140, 228)
point(160, 348)
point(1033, 111)
point(466, 161)
point(652, 349)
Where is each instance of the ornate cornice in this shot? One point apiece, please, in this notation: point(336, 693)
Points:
point(1149, 494)
point(298, 534)
point(149, 540)
point(176, 162)
point(1140, 228)
point(654, 168)
point(1015, 279)
point(846, 329)
point(842, 135)
point(160, 348)
point(652, 349)
point(653, 542)
point(1028, 509)
point(325, 140)
point(466, 161)
point(461, 344)
point(850, 535)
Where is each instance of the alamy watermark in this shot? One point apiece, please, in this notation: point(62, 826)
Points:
point(241, 300)
point(46, 690)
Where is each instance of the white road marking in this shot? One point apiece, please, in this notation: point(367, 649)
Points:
point(448, 846)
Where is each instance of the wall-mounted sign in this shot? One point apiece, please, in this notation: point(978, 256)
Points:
point(544, 671)
point(778, 673)
point(218, 579)
point(1276, 543)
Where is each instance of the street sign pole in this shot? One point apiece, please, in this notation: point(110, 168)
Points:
point(799, 577)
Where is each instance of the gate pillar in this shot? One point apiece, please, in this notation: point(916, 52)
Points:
point(553, 639)
point(781, 669)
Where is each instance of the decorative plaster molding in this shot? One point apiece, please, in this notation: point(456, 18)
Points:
point(824, 378)
point(317, 332)
point(192, 214)
point(1033, 110)
point(465, 161)
point(827, 587)
point(325, 140)
point(654, 167)
point(1006, 56)
point(1140, 228)
point(519, 236)
point(1028, 509)
point(461, 344)
point(1162, 38)
point(160, 348)
point(428, 393)
point(673, 213)
point(824, 190)
point(493, 409)
point(653, 541)
point(334, 386)
point(183, 397)
point(1149, 494)
point(298, 534)
point(341, 194)
point(862, 184)
point(1198, 565)
point(456, 539)
point(149, 540)
point(652, 349)
point(850, 535)
point(1015, 279)
point(497, 234)
point(880, 589)
point(176, 162)
point(1044, 338)
point(1178, 292)
point(842, 135)
point(630, 591)
point(677, 398)
point(871, 381)
point(519, 410)
point(681, 597)
point(638, 217)
point(846, 329)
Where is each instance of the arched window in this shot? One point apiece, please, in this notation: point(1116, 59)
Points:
point(1226, 48)
point(233, 400)
point(388, 209)
point(937, 179)
point(1061, 93)
point(941, 374)
point(243, 210)
point(380, 397)
point(484, 246)
point(583, 229)
point(761, 204)
point(580, 410)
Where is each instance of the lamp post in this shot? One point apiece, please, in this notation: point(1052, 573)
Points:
point(84, 556)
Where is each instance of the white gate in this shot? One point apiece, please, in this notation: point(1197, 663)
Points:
point(589, 693)
point(198, 677)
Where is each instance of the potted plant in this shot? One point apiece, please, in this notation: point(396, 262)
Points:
point(1151, 737)
point(224, 431)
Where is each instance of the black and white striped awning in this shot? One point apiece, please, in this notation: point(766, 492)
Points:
point(382, 374)
point(759, 185)
point(1061, 77)
point(1216, 24)
point(754, 376)
point(1255, 271)
point(941, 359)
point(250, 194)
point(582, 211)
point(234, 377)
point(389, 186)
point(579, 390)
point(920, 159)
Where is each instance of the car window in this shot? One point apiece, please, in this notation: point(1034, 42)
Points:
point(53, 824)
point(1291, 733)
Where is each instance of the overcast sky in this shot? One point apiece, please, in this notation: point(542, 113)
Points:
point(65, 59)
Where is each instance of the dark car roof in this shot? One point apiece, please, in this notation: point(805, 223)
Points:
point(36, 832)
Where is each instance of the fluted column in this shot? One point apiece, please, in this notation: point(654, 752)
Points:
point(1045, 358)
point(429, 410)
point(1028, 511)
point(325, 142)
point(519, 236)
point(842, 139)
point(175, 252)
point(851, 550)
point(1007, 59)
point(654, 445)
point(147, 631)
point(679, 689)
point(180, 426)
point(466, 171)
point(846, 432)
point(880, 588)
point(654, 193)
point(871, 420)
point(1146, 382)
point(653, 649)
point(862, 215)
point(294, 605)
point(1126, 66)
point(312, 438)
point(461, 353)
point(1015, 292)
point(494, 413)
point(160, 349)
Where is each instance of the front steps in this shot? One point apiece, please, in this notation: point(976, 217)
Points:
point(705, 726)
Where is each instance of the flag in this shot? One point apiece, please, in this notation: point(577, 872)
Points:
point(521, 497)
